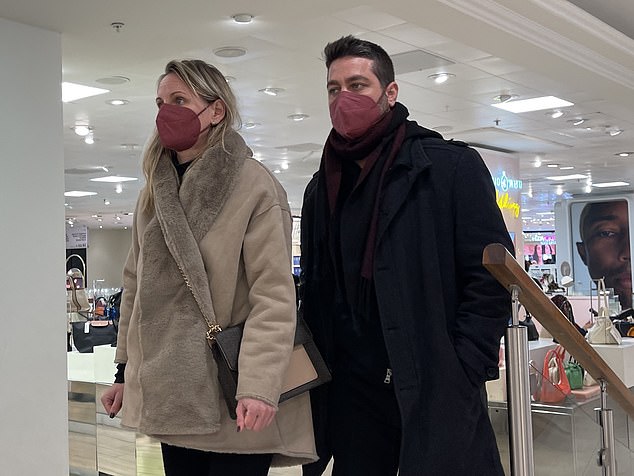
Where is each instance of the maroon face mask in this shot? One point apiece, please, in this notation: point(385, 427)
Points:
point(178, 126)
point(353, 114)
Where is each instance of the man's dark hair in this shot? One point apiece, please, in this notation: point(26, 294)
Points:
point(382, 65)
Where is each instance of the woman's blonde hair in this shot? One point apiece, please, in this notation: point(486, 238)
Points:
point(208, 83)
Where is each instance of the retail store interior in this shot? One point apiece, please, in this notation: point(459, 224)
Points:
point(82, 76)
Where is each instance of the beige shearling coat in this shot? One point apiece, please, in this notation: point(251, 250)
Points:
point(228, 223)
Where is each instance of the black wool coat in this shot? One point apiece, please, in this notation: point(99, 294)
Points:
point(441, 312)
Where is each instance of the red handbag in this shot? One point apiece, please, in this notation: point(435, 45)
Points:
point(554, 383)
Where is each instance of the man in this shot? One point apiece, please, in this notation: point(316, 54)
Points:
point(393, 228)
point(605, 246)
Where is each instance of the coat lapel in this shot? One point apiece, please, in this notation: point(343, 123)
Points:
point(410, 163)
point(186, 215)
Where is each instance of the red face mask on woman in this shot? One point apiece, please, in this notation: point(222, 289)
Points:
point(353, 114)
point(178, 127)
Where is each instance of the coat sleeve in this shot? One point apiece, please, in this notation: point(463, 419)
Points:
point(484, 305)
point(269, 330)
point(128, 296)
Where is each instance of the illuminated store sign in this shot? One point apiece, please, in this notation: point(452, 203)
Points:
point(506, 203)
point(504, 183)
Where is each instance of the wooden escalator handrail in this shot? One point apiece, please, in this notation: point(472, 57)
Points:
point(501, 264)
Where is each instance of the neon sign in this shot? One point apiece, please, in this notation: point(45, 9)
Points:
point(505, 202)
point(504, 183)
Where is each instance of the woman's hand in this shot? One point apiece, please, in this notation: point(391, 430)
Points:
point(254, 414)
point(112, 399)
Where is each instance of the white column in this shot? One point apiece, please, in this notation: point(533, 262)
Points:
point(33, 391)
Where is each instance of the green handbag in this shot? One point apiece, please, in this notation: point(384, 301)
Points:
point(574, 373)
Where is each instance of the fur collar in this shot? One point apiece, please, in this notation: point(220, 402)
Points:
point(187, 214)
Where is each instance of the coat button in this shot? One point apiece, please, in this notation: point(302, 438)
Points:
point(493, 372)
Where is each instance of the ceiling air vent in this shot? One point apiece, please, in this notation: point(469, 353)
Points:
point(417, 60)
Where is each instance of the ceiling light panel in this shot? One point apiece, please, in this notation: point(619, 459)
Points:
point(534, 104)
point(610, 184)
point(113, 179)
point(568, 177)
point(75, 92)
point(78, 193)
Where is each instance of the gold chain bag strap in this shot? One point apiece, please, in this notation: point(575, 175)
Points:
point(306, 369)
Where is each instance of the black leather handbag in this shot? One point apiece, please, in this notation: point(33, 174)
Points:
point(88, 334)
point(306, 369)
point(531, 329)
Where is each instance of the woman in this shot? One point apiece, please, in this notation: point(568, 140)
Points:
point(212, 214)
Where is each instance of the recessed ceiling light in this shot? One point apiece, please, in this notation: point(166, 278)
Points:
point(298, 116)
point(89, 139)
point(242, 18)
point(610, 184)
point(113, 179)
point(614, 131)
point(74, 91)
point(277, 171)
point(129, 146)
point(118, 188)
point(106, 201)
point(624, 154)
point(577, 122)
point(538, 162)
point(559, 190)
point(568, 177)
point(552, 166)
point(118, 102)
point(110, 80)
point(271, 91)
point(567, 167)
point(82, 129)
point(505, 97)
point(534, 104)
point(284, 165)
point(440, 78)
point(78, 193)
point(230, 79)
point(251, 125)
point(555, 114)
point(230, 51)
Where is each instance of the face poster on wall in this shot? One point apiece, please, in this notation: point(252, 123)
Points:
point(601, 246)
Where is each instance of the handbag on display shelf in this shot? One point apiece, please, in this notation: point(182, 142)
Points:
point(531, 329)
point(88, 334)
point(603, 331)
point(306, 369)
point(574, 374)
point(76, 298)
point(554, 386)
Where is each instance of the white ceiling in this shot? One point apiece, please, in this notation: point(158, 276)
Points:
point(525, 47)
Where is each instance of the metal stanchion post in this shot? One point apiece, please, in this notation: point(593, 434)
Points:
point(607, 454)
point(518, 390)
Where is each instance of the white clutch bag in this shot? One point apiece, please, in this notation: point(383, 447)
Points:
point(603, 331)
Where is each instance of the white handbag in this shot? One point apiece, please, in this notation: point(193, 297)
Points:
point(603, 331)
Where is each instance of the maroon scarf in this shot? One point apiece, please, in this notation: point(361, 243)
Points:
point(378, 148)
